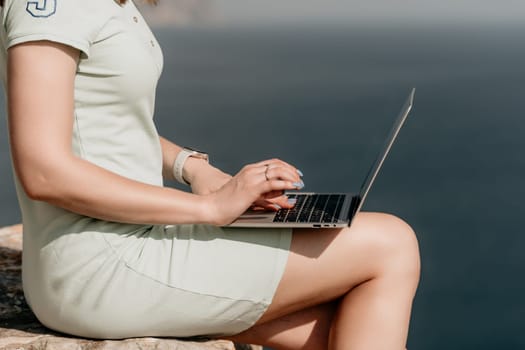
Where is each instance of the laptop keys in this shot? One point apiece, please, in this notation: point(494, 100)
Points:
point(312, 208)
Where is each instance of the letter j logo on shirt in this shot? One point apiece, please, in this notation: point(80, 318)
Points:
point(41, 8)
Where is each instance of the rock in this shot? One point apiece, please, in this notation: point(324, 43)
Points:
point(20, 330)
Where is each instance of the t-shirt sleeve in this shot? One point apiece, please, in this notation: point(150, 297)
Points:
point(74, 23)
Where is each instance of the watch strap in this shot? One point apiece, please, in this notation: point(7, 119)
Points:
point(180, 160)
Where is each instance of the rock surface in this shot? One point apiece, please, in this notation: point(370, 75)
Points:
point(20, 330)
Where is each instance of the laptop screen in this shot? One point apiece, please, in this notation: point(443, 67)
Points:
point(374, 170)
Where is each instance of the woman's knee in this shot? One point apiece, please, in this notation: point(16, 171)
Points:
point(390, 243)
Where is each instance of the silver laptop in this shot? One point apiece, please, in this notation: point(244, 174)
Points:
point(323, 210)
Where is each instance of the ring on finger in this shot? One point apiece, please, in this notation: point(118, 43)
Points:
point(266, 172)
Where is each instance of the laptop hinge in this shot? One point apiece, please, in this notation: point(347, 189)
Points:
point(354, 204)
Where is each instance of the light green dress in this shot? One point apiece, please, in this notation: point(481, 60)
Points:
point(102, 279)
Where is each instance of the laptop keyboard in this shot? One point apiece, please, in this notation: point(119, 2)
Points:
point(312, 208)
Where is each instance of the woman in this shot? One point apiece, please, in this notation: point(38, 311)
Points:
point(111, 253)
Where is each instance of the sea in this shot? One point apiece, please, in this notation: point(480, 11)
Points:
point(323, 97)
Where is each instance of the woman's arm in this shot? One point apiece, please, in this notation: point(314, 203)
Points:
point(40, 99)
point(206, 179)
point(41, 104)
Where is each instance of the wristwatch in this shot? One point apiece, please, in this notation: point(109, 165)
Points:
point(181, 158)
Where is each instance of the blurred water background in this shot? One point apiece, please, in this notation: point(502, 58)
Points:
point(323, 98)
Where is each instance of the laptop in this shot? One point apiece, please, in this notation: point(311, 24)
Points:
point(326, 210)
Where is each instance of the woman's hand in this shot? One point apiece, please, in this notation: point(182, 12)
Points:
point(261, 184)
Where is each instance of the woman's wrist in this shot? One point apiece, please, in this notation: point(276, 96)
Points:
point(180, 163)
point(209, 210)
point(192, 167)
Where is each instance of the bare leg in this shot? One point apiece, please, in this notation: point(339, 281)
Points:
point(372, 268)
point(307, 329)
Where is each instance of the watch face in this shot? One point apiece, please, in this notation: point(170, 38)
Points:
point(197, 153)
point(193, 150)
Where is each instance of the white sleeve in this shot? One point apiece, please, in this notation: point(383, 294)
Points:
point(74, 23)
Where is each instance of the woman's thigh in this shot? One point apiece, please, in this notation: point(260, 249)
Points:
point(325, 264)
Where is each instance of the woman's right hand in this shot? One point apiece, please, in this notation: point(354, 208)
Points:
point(263, 180)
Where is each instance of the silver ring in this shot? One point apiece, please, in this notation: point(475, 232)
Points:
point(266, 172)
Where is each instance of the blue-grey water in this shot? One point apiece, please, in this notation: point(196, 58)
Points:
point(323, 98)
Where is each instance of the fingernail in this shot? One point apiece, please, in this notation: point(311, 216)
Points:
point(292, 201)
point(277, 206)
point(299, 184)
point(300, 172)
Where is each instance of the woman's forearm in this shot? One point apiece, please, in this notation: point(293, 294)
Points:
point(82, 187)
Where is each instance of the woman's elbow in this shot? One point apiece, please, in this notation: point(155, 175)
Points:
point(41, 178)
point(37, 187)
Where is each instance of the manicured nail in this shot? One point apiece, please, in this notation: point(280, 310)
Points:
point(299, 184)
point(292, 201)
point(300, 173)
